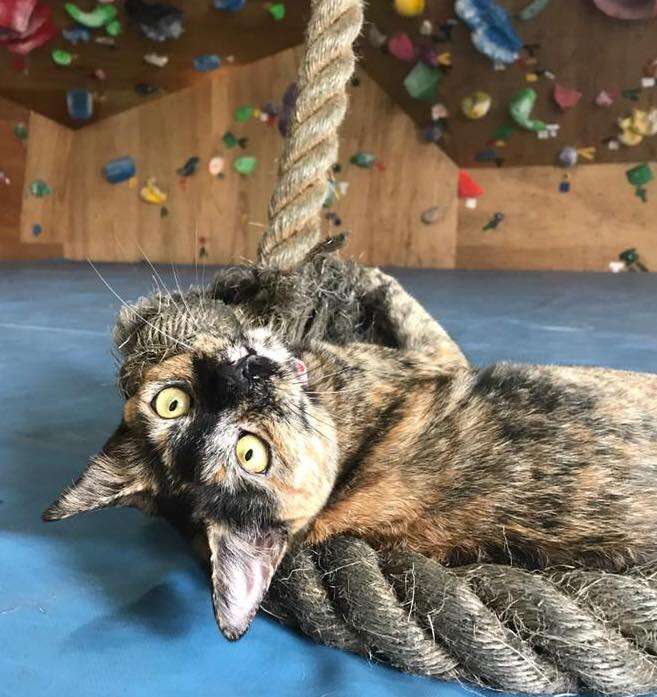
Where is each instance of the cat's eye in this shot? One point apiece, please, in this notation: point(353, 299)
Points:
point(171, 403)
point(252, 454)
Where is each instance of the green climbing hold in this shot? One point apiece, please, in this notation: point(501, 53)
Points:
point(365, 160)
point(243, 113)
point(113, 28)
point(62, 57)
point(245, 164)
point(640, 175)
point(277, 11)
point(504, 132)
point(629, 256)
point(20, 131)
point(520, 109)
point(98, 17)
point(230, 140)
point(39, 188)
point(422, 82)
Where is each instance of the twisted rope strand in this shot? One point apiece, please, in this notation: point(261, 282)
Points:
point(534, 633)
point(312, 146)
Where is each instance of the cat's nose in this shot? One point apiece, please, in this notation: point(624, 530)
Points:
point(255, 366)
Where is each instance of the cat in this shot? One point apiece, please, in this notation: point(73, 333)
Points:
point(264, 444)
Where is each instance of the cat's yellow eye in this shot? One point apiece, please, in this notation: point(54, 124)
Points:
point(171, 403)
point(252, 454)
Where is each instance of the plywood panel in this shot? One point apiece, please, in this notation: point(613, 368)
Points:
point(382, 208)
point(48, 159)
point(13, 157)
point(543, 229)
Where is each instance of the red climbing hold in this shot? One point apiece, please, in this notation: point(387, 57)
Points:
point(467, 187)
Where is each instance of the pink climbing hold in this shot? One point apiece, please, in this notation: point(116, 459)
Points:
point(401, 47)
point(566, 97)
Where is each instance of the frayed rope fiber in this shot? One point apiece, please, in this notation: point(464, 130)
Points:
point(548, 632)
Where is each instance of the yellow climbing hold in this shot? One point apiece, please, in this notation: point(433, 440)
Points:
point(476, 105)
point(151, 193)
point(587, 153)
point(409, 8)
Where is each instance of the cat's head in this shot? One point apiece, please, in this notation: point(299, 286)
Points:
point(223, 431)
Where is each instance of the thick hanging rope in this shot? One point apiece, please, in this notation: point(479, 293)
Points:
point(311, 148)
point(549, 632)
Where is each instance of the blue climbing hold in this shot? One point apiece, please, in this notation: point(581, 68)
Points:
point(492, 31)
point(207, 63)
point(76, 34)
point(229, 5)
point(119, 170)
point(80, 104)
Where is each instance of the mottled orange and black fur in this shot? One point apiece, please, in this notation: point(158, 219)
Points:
point(402, 445)
point(532, 465)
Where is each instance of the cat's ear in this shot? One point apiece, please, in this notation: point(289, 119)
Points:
point(242, 565)
point(117, 476)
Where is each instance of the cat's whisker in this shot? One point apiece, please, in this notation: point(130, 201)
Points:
point(132, 309)
point(190, 314)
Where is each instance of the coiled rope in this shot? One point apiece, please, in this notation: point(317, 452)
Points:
point(548, 632)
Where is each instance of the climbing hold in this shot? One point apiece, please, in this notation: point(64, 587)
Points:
point(151, 193)
point(105, 41)
point(640, 175)
point(439, 111)
point(422, 82)
point(243, 113)
point(40, 189)
point(4, 179)
point(364, 160)
point(80, 104)
point(409, 8)
point(119, 170)
point(114, 28)
point(432, 215)
point(492, 31)
point(566, 97)
point(76, 34)
point(216, 166)
point(628, 9)
point(604, 98)
point(98, 17)
point(277, 11)
point(532, 10)
point(568, 157)
point(494, 221)
point(476, 105)
point(229, 140)
point(61, 57)
point(520, 109)
point(189, 168)
point(401, 47)
point(245, 164)
point(630, 257)
point(433, 132)
point(468, 189)
point(156, 59)
point(228, 5)
point(20, 131)
point(158, 21)
point(207, 63)
point(144, 89)
point(564, 185)
point(426, 27)
point(376, 37)
point(36, 229)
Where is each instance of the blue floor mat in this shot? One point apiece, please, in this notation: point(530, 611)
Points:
point(113, 603)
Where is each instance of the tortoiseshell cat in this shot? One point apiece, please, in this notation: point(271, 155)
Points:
point(263, 445)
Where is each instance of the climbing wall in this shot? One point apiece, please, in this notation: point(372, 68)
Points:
point(219, 219)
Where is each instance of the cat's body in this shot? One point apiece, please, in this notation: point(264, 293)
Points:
point(259, 437)
point(530, 465)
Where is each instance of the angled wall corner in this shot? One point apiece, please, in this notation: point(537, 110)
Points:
point(92, 218)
